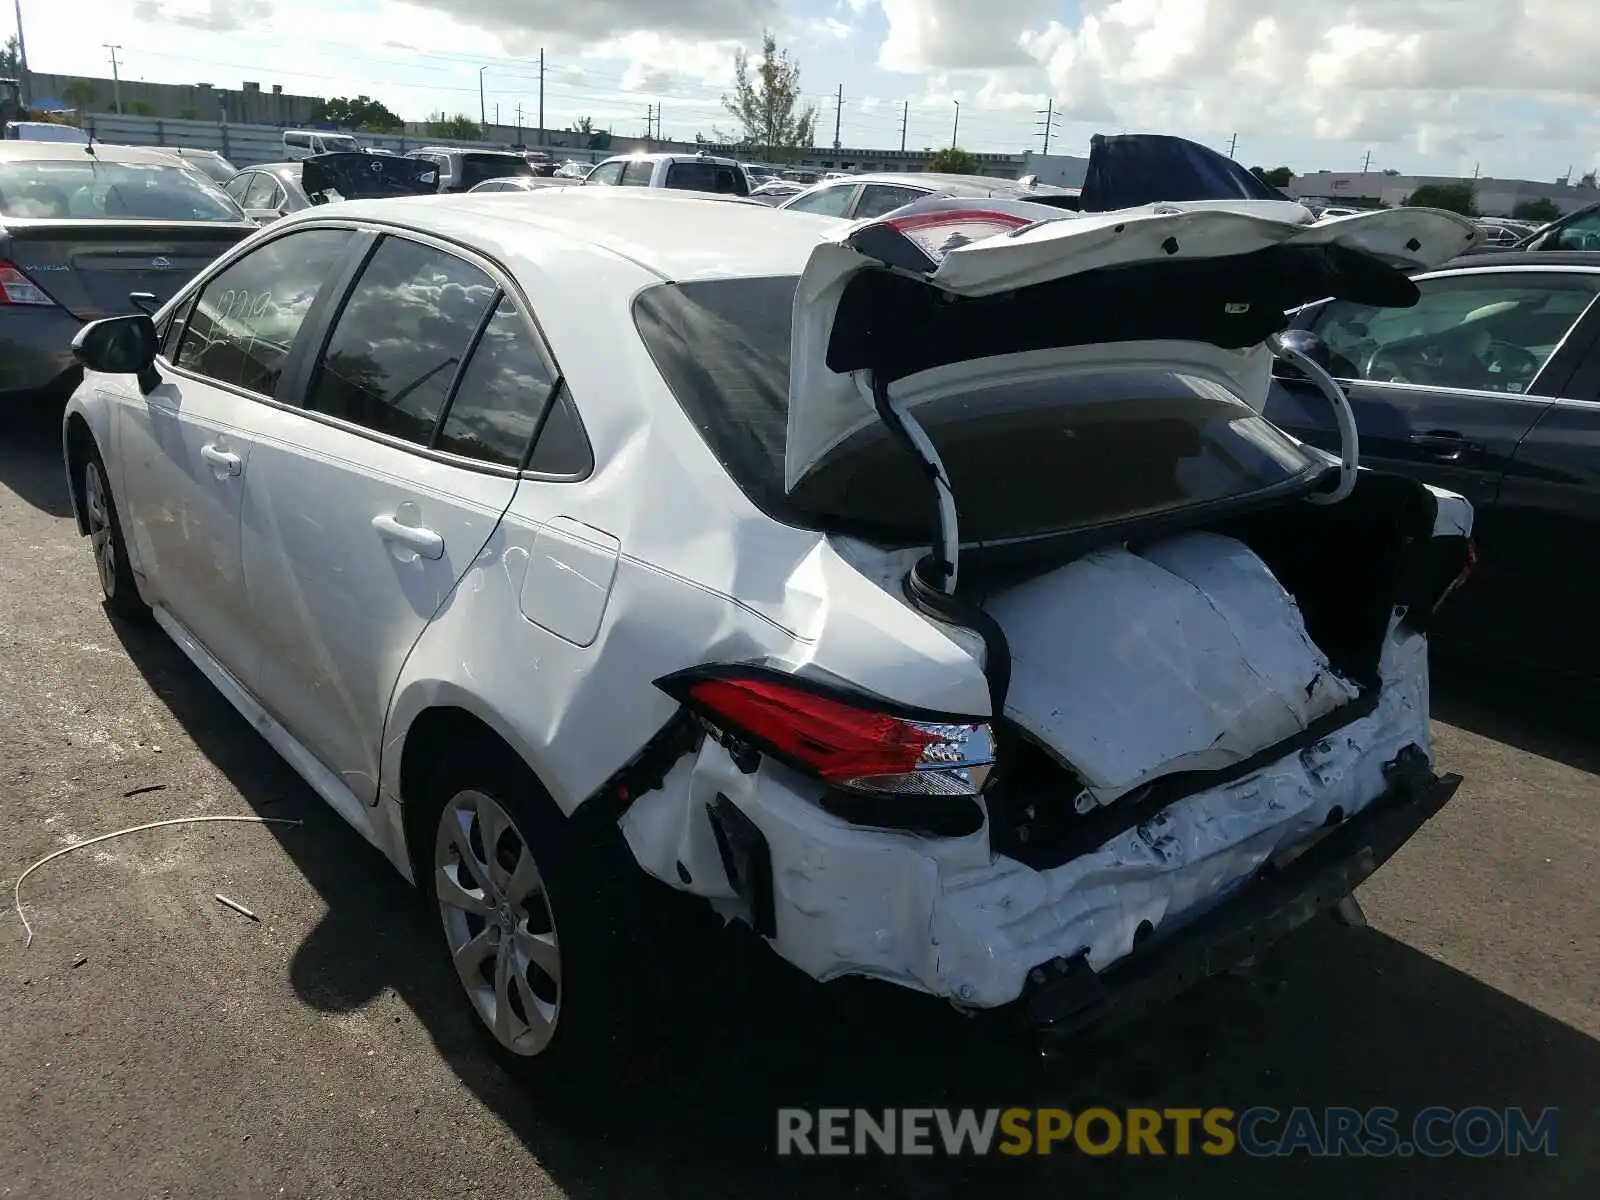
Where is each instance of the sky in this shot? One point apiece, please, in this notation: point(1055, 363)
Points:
point(1501, 87)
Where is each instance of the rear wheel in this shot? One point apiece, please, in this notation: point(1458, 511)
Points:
point(106, 541)
point(531, 919)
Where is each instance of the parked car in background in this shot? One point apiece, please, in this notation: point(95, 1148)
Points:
point(44, 131)
point(682, 172)
point(89, 232)
point(303, 143)
point(598, 593)
point(1489, 386)
point(856, 197)
point(521, 183)
point(272, 191)
point(573, 169)
point(776, 191)
point(539, 161)
point(210, 163)
point(1576, 231)
point(462, 169)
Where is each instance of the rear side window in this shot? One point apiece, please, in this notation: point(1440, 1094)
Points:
point(247, 317)
point(502, 393)
point(262, 187)
point(707, 177)
point(1025, 460)
point(638, 173)
point(402, 335)
point(475, 168)
point(824, 202)
point(298, 140)
point(606, 174)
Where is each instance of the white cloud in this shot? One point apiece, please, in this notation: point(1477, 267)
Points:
point(957, 34)
point(532, 23)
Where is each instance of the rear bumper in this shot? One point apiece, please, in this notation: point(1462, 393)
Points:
point(1067, 996)
point(36, 350)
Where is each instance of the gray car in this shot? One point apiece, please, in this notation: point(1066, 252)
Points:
point(84, 230)
point(521, 183)
point(269, 191)
point(856, 197)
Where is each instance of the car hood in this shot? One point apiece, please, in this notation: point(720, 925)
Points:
point(946, 292)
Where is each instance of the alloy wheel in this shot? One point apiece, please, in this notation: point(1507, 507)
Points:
point(497, 921)
point(97, 506)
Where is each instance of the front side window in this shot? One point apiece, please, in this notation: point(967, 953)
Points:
point(1492, 332)
point(880, 198)
point(638, 172)
point(1025, 459)
point(247, 316)
point(824, 202)
point(503, 390)
point(94, 189)
point(607, 174)
point(1581, 233)
point(396, 346)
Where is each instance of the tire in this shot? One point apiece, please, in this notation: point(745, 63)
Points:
point(110, 549)
point(562, 947)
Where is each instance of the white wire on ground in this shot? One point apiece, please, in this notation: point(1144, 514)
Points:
point(16, 891)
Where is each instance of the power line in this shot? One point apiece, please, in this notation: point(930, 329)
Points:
point(1048, 112)
point(905, 118)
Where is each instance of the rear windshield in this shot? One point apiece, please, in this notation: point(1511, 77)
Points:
point(53, 189)
point(475, 168)
point(707, 177)
point(1024, 459)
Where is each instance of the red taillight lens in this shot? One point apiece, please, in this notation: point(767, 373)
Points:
point(17, 288)
point(844, 743)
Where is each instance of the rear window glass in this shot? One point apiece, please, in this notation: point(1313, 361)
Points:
point(1025, 459)
point(707, 177)
point(85, 188)
point(475, 168)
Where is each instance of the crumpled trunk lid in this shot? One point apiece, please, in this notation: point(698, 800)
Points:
point(1186, 655)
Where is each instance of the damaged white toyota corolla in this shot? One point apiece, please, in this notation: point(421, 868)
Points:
point(928, 594)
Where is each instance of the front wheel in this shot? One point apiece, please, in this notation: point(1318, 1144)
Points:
point(531, 919)
point(106, 541)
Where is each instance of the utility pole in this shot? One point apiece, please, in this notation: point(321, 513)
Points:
point(905, 116)
point(497, 114)
point(116, 75)
point(1233, 145)
point(1367, 166)
point(483, 113)
point(541, 95)
point(956, 128)
point(519, 124)
point(1048, 112)
point(838, 115)
point(22, 54)
point(649, 124)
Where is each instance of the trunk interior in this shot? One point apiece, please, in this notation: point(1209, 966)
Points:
point(1346, 568)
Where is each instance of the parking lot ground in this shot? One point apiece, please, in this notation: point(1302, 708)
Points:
point(156, 1043)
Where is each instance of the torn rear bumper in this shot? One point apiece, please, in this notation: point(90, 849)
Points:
point(1067, 996)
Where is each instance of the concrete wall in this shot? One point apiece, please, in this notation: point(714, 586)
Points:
point(251, 104)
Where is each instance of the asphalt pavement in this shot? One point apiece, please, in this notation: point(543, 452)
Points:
point(157, 1043)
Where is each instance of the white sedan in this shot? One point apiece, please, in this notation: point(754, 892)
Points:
point(961, 625)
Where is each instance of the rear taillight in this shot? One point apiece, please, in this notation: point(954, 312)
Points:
point(846, 740)
point(17, 288)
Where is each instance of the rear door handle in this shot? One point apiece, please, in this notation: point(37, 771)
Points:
point(425, 542)
point(223, 462)
point(1442, 444)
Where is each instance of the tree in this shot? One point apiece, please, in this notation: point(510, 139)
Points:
point(583, 125)
point(766, 102)
point(358, 112)
point(600, 139)
point(11, 59)
point(460, 126)
point(79, 93)
point(951, 161)
point(1278, 177)
point(139, 108)
point(1541, 211)
point(1452, 197)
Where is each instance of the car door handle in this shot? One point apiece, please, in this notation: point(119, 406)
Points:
point(1442, 444)
point(425, 542)
point(223, 462)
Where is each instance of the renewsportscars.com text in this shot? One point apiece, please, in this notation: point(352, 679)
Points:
point(1475, 1132)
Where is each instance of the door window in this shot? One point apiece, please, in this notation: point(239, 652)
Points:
point(879, 198)
point(638, 173)
point(238, 186)
point(505, 387)
point(400, 339)
point(1581, 233)
point(247, 316)
point(1491, 332)
point(262, 186)
point(825, 202)
point(607, 173)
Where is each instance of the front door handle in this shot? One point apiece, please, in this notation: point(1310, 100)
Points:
point(223, 462)
point(1442, 444)
point(425, 542)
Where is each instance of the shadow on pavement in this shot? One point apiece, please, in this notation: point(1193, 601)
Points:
point(30, 455)
point(1551, 718)
point(1335, 1017)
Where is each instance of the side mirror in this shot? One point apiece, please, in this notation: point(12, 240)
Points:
point(1306, 343)
point(120, 346)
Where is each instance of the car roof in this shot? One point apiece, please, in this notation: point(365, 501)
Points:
point(1525, 258)
point(955, 185)
point(674, 158)
point(76, 151)
point(186, 151)
point(677, 236)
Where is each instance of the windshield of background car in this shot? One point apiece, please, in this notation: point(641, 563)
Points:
point(87, 188)
point(475, 168)
point(1041, 457)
